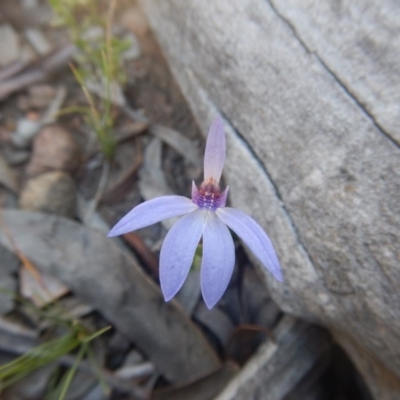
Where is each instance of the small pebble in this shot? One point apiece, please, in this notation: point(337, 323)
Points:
point(54, 148)
point(52, 192)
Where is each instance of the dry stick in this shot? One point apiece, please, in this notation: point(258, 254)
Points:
point(47, 66)
point(14, 68)
point(137, 243)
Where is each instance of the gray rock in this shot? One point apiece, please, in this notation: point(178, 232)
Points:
point(310, 96)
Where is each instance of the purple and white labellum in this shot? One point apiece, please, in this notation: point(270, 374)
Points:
point(209, 196)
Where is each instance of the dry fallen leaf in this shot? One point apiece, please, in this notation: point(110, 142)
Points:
point(9, 45)
point(96, 269)
point(184, 146)
point(152, 180)
point(43, 292)
point(38, 41)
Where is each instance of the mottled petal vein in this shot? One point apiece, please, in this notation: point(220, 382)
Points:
point(254, 237)
point(152, 211)
point(177, 252)
point(214, 157)
point(218, 259)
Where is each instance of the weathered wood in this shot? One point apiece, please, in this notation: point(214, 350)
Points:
point(278, 366)
point(313, 150)
point(108, 278)
point(203, 389)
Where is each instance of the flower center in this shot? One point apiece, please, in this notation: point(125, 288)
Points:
point(209, 195)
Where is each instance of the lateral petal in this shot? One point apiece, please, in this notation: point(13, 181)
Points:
point(218, 259)
point(254, 237)
point(214, 157)
point(152, 211)
point(178, 250)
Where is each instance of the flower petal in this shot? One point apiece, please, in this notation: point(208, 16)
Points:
point(254, 237)
point(152, 211)
point(218, 259)
point(214, 157)
point(178, 250)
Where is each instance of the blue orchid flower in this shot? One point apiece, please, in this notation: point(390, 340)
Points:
point(204, 217)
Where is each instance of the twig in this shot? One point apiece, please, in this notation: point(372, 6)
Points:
point(140, 247)
point(47, 66)
point(13, 69)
